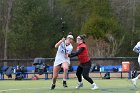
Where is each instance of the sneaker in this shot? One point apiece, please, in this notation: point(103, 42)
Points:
point(94, 87)
point(53, 86)
point(65, 84)
point(134, 82)
point(79, 85)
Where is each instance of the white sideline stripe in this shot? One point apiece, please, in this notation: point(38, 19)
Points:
point(19, 89)
point(9, 90)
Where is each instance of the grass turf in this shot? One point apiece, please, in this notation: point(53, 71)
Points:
point(43, 86)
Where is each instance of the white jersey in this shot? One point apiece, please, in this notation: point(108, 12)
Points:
point(137, 49)
point(60, 55)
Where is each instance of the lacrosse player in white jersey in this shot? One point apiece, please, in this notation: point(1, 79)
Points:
point(137, 50)
point(62, 60)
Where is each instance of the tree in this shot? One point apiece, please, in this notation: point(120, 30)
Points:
point(105, 30)
point(33, 27)
point(1, 25)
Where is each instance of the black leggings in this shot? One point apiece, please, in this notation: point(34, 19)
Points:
point(83, 69)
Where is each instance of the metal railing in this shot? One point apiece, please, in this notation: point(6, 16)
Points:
point(101, 61)
point(97, 60)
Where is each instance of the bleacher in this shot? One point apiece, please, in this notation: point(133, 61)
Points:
point(71, 74)
point(28, 63)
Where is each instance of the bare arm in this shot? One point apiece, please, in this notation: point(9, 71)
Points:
point(58, 43)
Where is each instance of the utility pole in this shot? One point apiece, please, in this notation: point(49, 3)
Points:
point(9, 4)
point(51, 6)
point(133, 21)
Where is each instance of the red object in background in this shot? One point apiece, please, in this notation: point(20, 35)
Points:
point(125, 66)
point(34, 77)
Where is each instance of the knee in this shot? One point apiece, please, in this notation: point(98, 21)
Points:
point(65, 69)
point(85, 76)
point(78, 74)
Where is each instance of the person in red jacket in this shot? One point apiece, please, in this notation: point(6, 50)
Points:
point(84, 62)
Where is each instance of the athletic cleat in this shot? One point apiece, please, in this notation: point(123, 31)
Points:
point(95, 87)
point(65, 84)
point(79, 85)
point(53, 86)
point(133, 82)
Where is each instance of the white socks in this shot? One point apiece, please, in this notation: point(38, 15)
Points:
point(94, 84)
point(136, 78)
point(64, 79)
point(80, 83)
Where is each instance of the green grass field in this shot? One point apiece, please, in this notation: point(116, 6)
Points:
point(43, 86)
